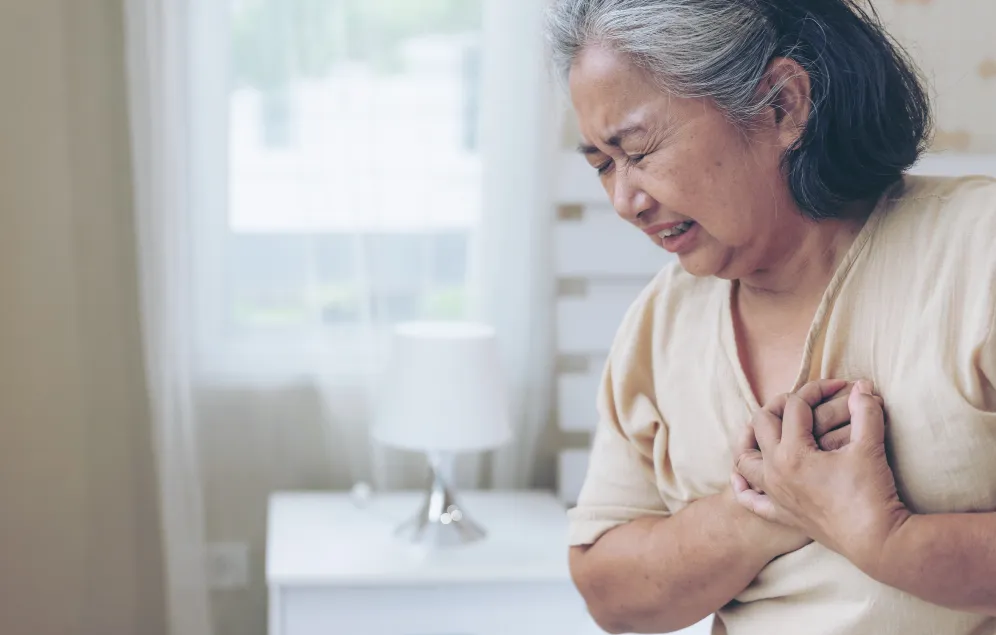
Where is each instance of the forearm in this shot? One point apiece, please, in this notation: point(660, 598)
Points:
point(657, 575)
point(945, 559)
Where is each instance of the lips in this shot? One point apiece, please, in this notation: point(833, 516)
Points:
point(677, 238)
point(677, 230)
point(658, 230)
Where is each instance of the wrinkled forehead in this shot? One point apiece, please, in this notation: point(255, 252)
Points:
point(610, 94)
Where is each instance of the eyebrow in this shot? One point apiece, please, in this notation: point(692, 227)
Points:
point(615, 140)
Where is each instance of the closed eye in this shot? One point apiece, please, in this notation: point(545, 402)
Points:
point(636, 158)
point(605, 167)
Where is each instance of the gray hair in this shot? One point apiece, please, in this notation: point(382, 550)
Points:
point(714, 49)
point(870, 116)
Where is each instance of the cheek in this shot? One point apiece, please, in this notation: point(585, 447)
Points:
point(716, 201)
point(717, 182)
point(736, 204)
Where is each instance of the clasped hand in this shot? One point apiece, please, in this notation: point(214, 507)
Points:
point(834, 486)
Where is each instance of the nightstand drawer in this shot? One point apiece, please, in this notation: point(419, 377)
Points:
point(462, 609)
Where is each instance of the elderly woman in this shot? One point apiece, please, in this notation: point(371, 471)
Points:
point(764, 142)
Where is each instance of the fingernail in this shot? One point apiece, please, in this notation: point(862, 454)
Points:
point(866, 387)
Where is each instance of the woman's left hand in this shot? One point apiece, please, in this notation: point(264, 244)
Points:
point(845, 499)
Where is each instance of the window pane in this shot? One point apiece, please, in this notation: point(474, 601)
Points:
point(266, 276)
point(354, 173)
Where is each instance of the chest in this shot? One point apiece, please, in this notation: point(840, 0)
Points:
point(941, 439)
point(770, 358)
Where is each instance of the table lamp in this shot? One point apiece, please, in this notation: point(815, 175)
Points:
point(444, 395)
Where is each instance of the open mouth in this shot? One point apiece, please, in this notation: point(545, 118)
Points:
point(677, 230)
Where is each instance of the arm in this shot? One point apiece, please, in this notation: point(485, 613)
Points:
point(945, 559)
point(641, 569)
point(658, 575)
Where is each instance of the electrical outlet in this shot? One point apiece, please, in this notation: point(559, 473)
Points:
point(227, 565)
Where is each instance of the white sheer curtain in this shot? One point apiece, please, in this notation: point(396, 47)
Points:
point(161, 126)
point(516, 288)
point(309, 172)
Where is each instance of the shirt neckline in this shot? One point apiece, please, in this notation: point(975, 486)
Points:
point(818, 325)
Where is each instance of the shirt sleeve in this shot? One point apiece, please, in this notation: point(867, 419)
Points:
point(620, 485)
point(987, 361)
point(981, 276)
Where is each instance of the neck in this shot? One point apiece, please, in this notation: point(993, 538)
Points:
point(805, 262)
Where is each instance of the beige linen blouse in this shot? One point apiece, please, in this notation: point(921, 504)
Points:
point(911, 307)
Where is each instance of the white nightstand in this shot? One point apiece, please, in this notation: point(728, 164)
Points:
point(336, 569)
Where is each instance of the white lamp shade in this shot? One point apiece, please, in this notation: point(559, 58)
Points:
point(445, 390)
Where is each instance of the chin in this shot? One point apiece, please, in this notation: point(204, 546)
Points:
point(720, 263)
point(698, 266)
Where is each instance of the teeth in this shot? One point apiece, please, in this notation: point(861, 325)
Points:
point(676, 230)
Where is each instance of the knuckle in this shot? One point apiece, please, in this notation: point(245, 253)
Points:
point(789, 461)
point(743, 463)
point(740, 462)
point(835, 440)
point(830, 415)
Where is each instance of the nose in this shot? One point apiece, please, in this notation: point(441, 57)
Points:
point(629, 199)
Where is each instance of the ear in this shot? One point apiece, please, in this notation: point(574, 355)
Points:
point(789, 107)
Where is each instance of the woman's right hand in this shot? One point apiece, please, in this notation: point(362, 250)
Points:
point(831, 429)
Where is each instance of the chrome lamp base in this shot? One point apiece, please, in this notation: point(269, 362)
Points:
point(441, 522)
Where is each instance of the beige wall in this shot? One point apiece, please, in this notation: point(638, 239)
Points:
point(255, 441)
point(953, 43)
point(79, 538)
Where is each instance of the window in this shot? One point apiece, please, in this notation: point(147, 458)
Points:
point(353, 176)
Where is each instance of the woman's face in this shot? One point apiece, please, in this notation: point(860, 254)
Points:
point(670, 164)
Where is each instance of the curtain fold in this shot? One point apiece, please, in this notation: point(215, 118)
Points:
point(516, 278)
point(158, 70)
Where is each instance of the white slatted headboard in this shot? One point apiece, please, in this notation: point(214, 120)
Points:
point(601, 263)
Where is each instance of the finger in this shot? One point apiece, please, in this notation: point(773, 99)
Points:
point(816, 392)
point(760, 504)
point(750, 466)
point(830, 415)
point(738, 482)
point(844, 392)
point(746, 441)
point(776, 405)
point(835, 413)
point(767, 430)
point(867, 416)
point(835, 439)
point(797, 424)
